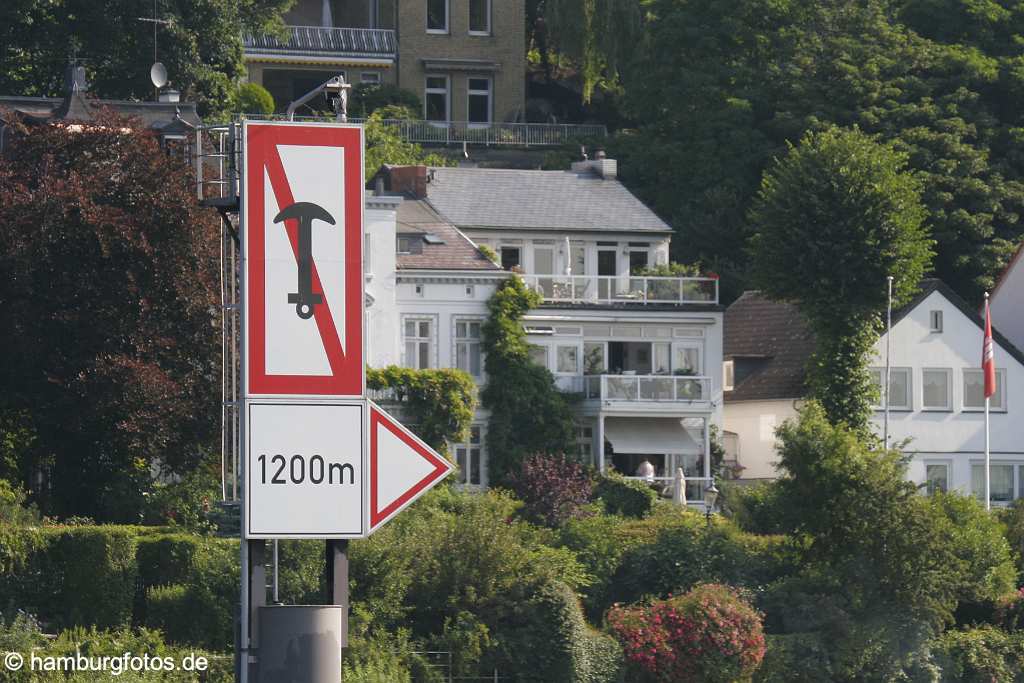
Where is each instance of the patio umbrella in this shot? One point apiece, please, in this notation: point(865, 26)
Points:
point(679, 487)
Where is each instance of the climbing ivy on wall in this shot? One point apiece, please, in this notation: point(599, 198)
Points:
point(528, 413)
point(438, 403)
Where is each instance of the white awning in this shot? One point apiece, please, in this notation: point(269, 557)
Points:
point(649, 435)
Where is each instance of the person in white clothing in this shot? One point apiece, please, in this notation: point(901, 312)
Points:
point(646, 470)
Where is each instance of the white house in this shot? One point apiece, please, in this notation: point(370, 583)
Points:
point(641, 352)
point(1007, 300)
point(935, 394)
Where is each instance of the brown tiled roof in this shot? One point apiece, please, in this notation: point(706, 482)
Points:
point(456, 253)
point(770, 344)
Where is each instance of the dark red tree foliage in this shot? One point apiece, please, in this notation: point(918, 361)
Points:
point(108, 314)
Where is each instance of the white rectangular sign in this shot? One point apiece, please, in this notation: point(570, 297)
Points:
point(302, 216)
point(305, 470)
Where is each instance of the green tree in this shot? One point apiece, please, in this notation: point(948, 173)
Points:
point(201, 45)
point(834, 218)
point(877, 576)
point(598, 35)
point(528, 413)
point(106, 315)
point(252, 98)
point(882, 567)
point(723, 85)
point(384, 145)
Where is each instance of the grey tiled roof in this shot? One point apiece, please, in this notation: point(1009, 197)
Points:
point(78, 106)
point(554, 200)
point(456, 253)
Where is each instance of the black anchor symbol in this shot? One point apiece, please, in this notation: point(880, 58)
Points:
point(306, 212)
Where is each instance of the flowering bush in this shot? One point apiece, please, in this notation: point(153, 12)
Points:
point(552, 488)
point(711, 634)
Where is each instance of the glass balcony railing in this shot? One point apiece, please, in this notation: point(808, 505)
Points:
point(639, 388)
point(608, 289)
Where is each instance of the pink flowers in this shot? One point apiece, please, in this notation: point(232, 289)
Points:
point(710, 634)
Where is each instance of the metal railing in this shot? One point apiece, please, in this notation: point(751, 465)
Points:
point(619, 289)
point(694, 487)
point(322, 40)
point(491, 134)
point(639, 388)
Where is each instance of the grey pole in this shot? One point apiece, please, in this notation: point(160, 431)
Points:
point(888, 362)
point(276, 598)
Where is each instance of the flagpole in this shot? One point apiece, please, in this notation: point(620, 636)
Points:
point(888, 355)
point(988, 463)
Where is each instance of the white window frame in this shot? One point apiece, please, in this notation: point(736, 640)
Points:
point(471, 93)
point(457, 341)
point(1000, 392)
point(1014, 466)
point(463, 457)
point(490, 19)
point(578, 346)
point(728, 375)
point(584, 442)
point(948, 464)
point(883, 396)
point(935, 321)
point(431, 341)
point(547, 353)
point(948, 408)
point(447, 18)
point(447, 92)
point(698, 347)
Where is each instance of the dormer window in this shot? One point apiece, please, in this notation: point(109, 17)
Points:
point(409, 244)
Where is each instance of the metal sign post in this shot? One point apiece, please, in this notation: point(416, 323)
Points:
point(318, 459)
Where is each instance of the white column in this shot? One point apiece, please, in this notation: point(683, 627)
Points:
point(600, 442)
point(707, 452)
point(326, 20)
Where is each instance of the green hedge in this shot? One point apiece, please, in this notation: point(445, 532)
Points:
point(81, 576)
point(984, 653)
point(686, 552)
point(626, 497)
point(549, 634)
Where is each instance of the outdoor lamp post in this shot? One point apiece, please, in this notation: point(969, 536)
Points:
point(710, 496)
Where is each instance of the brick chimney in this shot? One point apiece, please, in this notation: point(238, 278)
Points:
point(411, 180)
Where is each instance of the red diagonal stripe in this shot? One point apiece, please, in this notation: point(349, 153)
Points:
point(321, 312)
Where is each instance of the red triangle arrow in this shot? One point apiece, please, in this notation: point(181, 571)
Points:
point(402, 467)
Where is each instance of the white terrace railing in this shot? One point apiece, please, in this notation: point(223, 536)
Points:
point(639, 388)
point(618, 289)
point(491, 134)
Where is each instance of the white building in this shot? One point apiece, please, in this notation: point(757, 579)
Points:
point(935, 394)
point(1007, 301)
point(643, 353)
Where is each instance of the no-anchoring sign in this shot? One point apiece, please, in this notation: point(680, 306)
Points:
point(321, 460)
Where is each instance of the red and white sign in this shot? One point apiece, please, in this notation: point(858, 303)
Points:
point(302, 212)
point(402, 467)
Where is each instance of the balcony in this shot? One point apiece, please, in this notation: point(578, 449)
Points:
point(625, 289)
point(491, 134)
point(639, 388)
point(318, 42)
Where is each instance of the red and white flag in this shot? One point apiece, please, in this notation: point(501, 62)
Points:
point(988, 364)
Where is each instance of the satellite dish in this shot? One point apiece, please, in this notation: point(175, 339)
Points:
point(158, 74)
